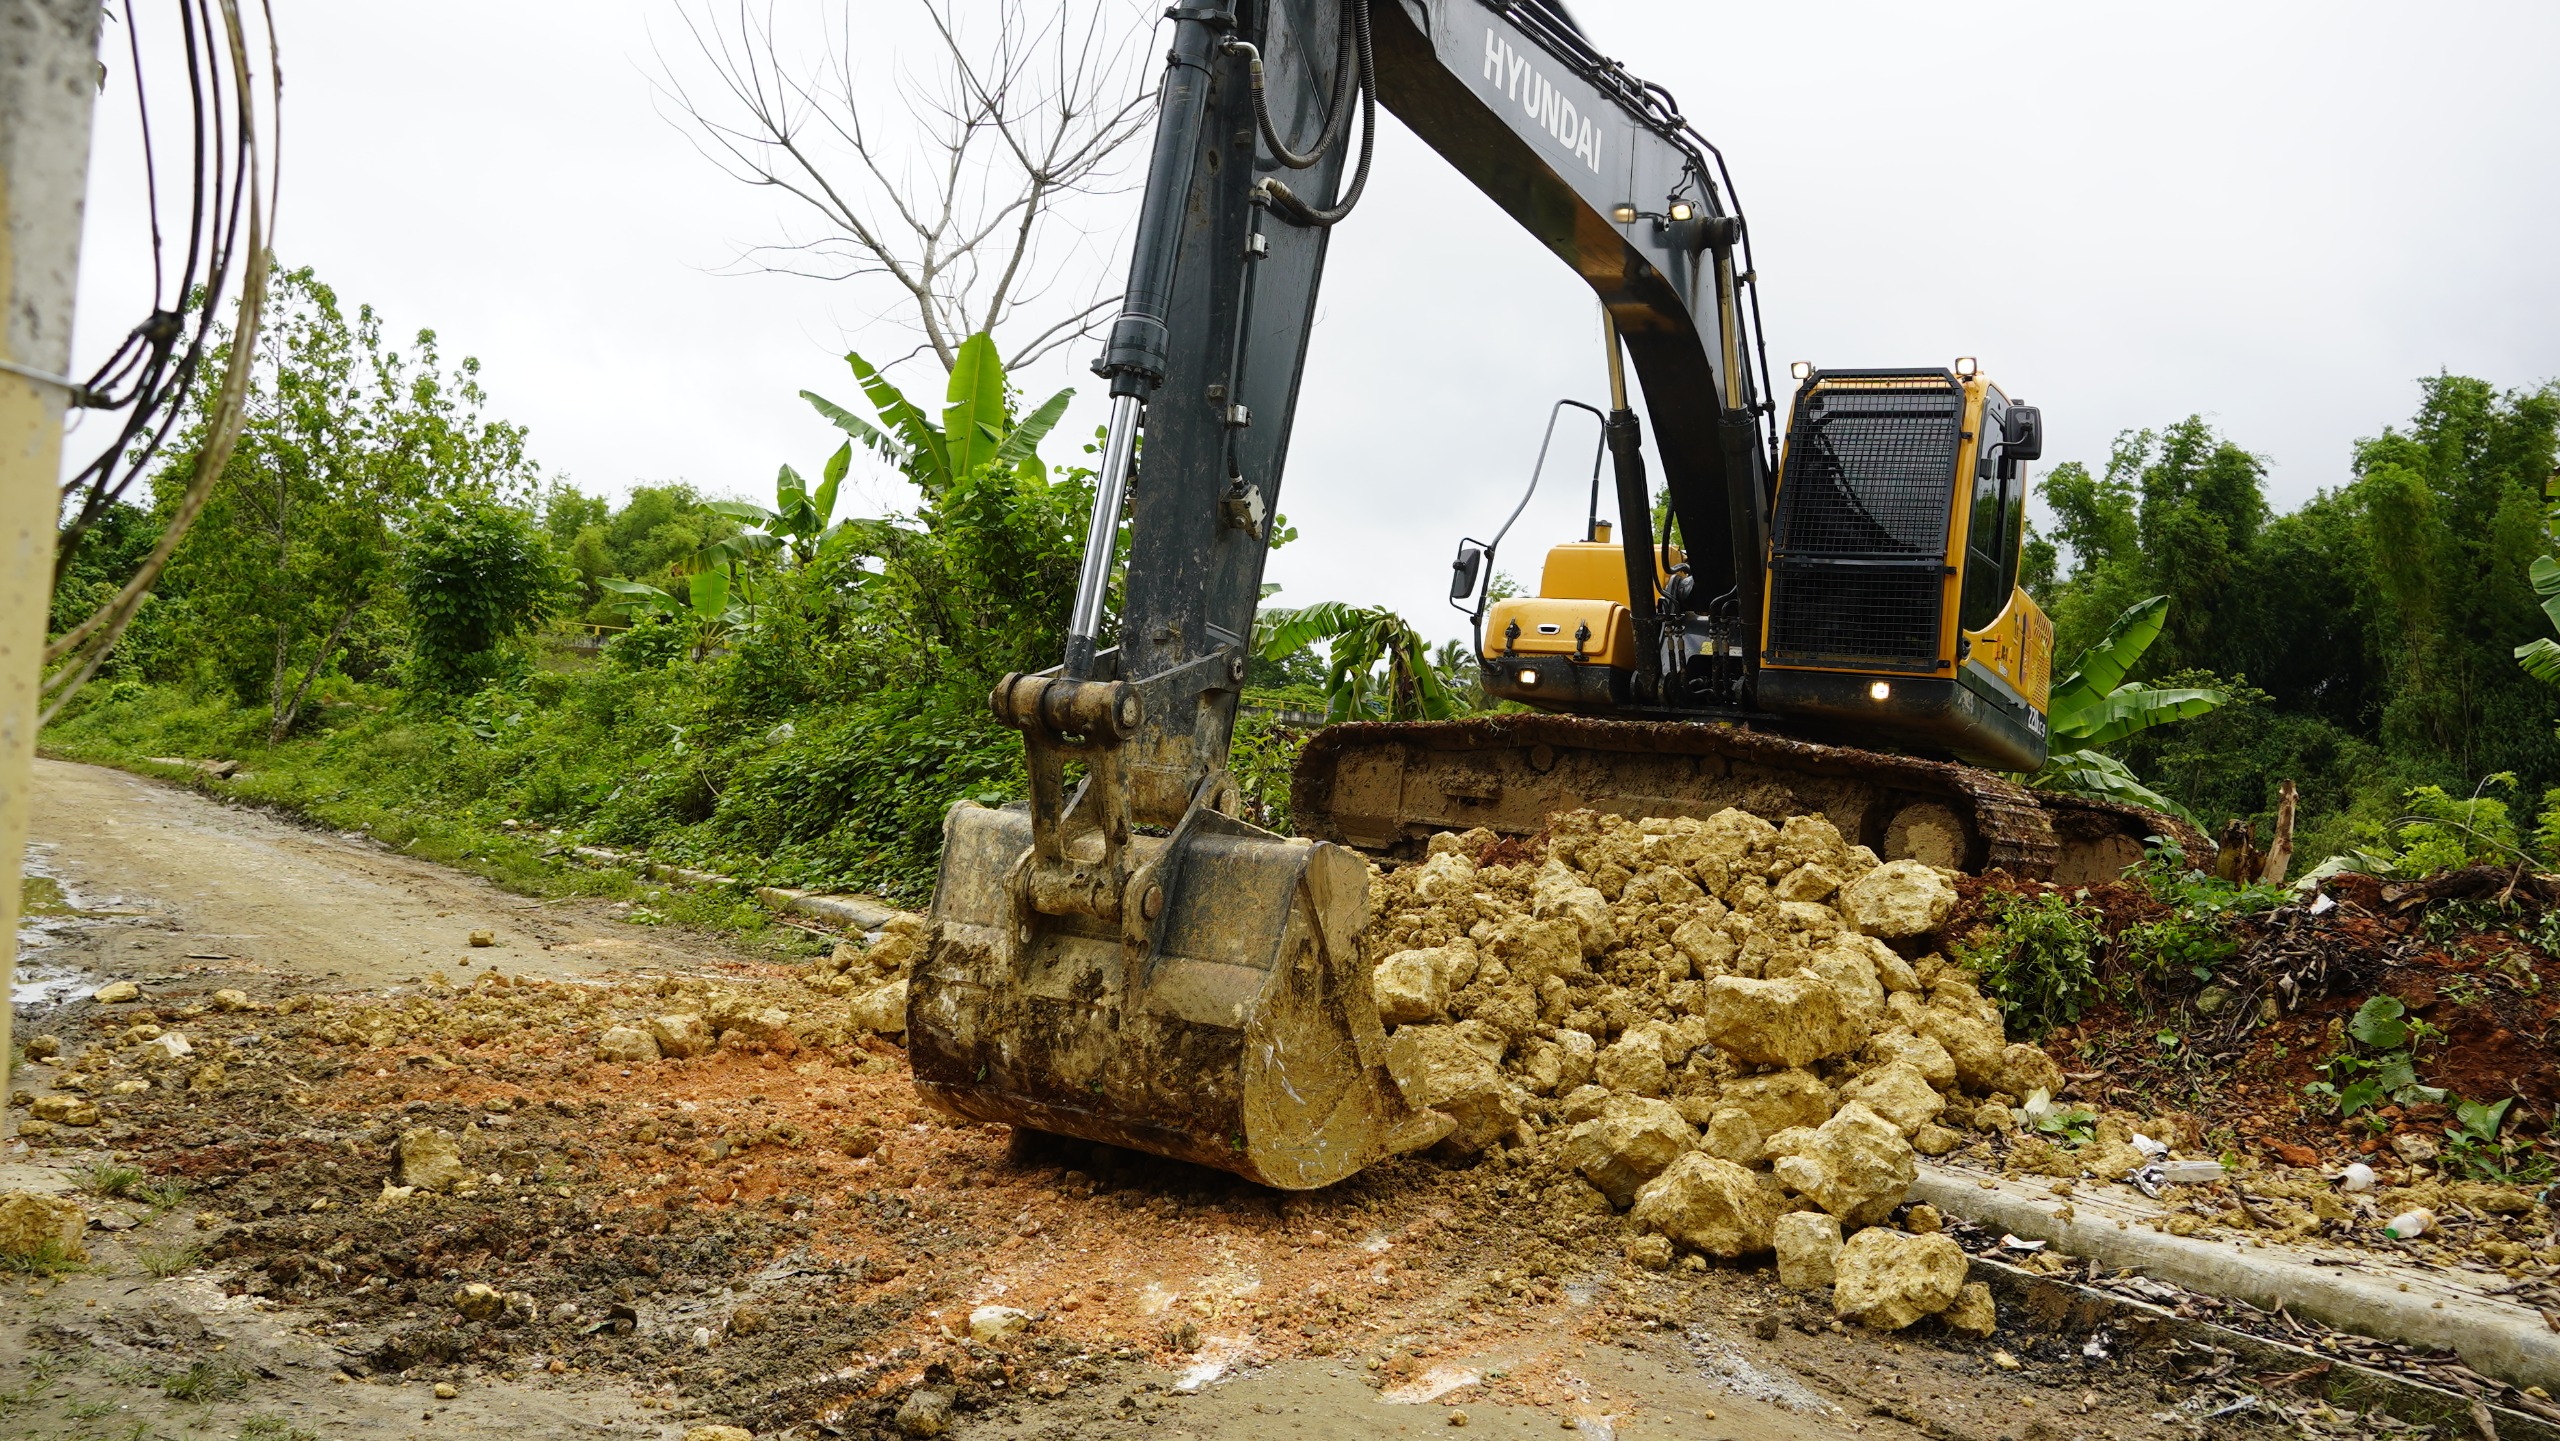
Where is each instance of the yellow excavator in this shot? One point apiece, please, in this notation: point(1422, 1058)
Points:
point(1830, 626)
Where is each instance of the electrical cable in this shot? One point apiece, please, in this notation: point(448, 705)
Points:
point(152, 370)
point(230, 191)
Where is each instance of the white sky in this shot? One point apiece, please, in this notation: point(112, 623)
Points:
point(2278, 215)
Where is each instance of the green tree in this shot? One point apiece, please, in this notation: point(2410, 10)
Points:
point(478, 575)
point(2454, 508)
point(345, 438)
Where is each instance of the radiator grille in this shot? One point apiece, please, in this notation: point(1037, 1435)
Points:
point(1861, 545)
point(1836, 614)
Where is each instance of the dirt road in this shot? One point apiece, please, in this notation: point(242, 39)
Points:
point(201, 886)
point(774, 1235)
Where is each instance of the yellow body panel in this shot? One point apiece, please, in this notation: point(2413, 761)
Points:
point(1594, 570)
point(2018, 647)
point(1549, 625)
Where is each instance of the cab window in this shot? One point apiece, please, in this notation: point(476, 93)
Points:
point(1992, 537)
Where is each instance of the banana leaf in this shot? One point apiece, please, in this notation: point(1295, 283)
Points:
point(975, 408)
point(2130, 711)
point(2094, 773)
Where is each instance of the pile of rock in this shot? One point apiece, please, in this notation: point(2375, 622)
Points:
point(862, 990)
point(1740, 1034)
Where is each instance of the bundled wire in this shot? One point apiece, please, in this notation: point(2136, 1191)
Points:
point(231, 192)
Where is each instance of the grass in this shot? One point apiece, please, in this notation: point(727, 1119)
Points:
point(49, 1258)
point(161, 1195)
point(206, 1381)
point(110, 1178)
point(165, 1261)
point(274, 1428)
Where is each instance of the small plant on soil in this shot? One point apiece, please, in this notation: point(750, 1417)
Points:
point(166, 1261)
point(206, 1381)
point(2040, 960)
point(2378, 1064)
point(110, 1178)
point(2473, 1150)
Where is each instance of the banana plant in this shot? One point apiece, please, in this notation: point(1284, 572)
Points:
point(802, 521)
point(2095, 706)
point(2540, 657)
point(978, 427)
point(1358, 641)
point(704, 610)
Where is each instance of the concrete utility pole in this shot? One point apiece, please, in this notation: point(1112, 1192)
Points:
point(48, 86)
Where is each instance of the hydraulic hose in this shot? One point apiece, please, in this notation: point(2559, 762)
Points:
point(1282, 198)
point(1337, 106)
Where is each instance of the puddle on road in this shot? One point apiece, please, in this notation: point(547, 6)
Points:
point(50, 913)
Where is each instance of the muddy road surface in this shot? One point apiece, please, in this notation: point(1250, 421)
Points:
point(339, 1182)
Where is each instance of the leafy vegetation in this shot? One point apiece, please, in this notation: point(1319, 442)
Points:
point(2039, 961)
point(2096, 706)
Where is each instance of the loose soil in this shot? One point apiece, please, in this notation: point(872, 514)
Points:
point(778, 1236)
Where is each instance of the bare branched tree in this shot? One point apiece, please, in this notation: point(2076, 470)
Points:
point(961, 186)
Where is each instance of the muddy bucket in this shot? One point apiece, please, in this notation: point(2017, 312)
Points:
point(1233, 1026)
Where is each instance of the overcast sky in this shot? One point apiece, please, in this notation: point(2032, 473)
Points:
point(2279, 216)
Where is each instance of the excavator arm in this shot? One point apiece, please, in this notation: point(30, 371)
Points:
point(1129, 962)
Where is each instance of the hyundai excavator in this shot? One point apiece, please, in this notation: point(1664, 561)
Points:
point(1833, 625)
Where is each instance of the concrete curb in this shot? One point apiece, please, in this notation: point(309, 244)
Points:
point(2507, 1341)
point(860, 913)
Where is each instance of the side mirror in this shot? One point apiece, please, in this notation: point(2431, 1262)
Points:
point(1464, 571)
point(2022, 433)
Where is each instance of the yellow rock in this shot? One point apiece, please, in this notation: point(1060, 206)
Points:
point(35, 1226)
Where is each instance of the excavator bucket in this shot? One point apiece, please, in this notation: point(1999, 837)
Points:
point(1223, 1016)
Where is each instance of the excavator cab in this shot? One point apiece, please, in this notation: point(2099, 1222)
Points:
point(1892, 615)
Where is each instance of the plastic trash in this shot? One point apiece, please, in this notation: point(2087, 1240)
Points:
point(2190, 1173)
point(2357, 1177)
point(2414, 1222)
point(2149, 1147)
point(2017, 1244)
point(2146, 1179)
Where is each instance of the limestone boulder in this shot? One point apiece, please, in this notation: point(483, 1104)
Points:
point(1709, 1205)
point(1976, 1047)
point(1705, 943)
point(626, 1044)
point(1449, 1076)
point(114, 992)
point(1631, 1141)
point(1634, 1064)
point(1532, 951)
point(430, 1159)
point(1808, 1247)
point(1848, 970)
point(1556, 1067)
point(2024, 1068)
point(881, 1009)
point(1922, 1053)
point(1410, 988)
point(1898, 898)
point(1448, 876)
point(1972, 1313)
point(1733, 1135)
point(1792, 1021)
point(64, 1110)
point(1559, 894)
point(1856, 1166)
point(1936, 1140)
point(1889, 1279)
point(681, 1035)
point(38, 1227)
point(1777, 1100)
point(1898, 1093)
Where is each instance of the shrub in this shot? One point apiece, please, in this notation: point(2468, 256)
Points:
point(2040, 961)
